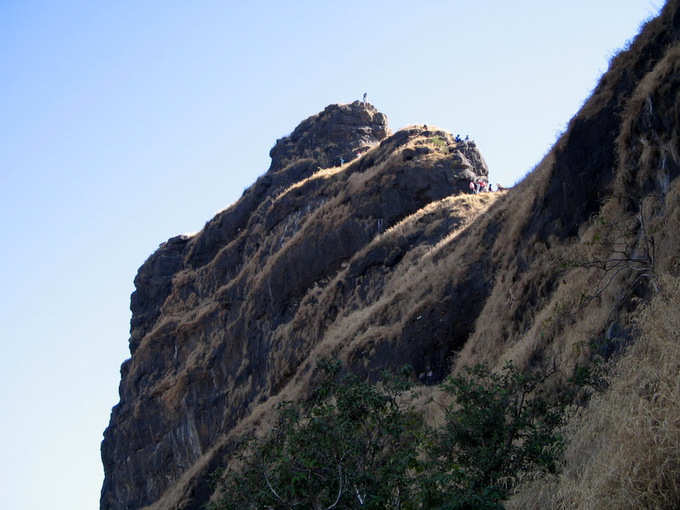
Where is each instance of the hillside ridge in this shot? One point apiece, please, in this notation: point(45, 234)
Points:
point(366, 246)
point(215, 316)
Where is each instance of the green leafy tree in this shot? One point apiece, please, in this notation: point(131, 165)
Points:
point(497, 428)
point(353, 446)
point(350, 446)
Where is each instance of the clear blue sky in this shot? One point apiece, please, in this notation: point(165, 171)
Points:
point(125, 123)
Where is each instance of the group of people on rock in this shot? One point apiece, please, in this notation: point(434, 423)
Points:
point(482, 186)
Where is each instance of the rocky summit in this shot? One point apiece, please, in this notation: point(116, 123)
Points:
point(339, 133)
point(221, 321)
point(367, 247)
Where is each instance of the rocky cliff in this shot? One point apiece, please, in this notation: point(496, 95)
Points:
point(365, 246)
point(222, 320)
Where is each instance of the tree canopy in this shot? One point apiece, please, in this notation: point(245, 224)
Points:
point(355, 445)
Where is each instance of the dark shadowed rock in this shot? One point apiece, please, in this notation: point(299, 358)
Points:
point(153, 283)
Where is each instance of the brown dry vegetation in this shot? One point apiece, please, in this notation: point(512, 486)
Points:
point(393, 299)
point(624, 446)
point(578, 262)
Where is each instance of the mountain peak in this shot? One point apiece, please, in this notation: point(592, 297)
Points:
point(339, 133)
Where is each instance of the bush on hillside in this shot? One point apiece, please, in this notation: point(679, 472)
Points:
point(498, 429)
point(353, 445)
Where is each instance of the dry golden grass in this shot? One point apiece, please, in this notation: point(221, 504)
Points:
point(407, 289)
point(468, 207)
point(624, 449)
point(463, 206)
point(324, 173)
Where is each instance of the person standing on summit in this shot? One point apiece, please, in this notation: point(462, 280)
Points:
point(364, 98)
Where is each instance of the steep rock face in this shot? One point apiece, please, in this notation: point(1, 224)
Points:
point(215, 316)
point(340, 131)
point(382, 261)
point(153, 283)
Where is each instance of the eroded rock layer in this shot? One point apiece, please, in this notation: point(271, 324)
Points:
point(386, 259)
point(223, 319)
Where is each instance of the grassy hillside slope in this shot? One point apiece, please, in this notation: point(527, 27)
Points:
point(577, 263)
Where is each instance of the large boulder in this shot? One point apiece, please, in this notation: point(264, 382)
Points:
point(340, 132)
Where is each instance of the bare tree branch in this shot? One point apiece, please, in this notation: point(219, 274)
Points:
point(339, 488)
point(266, 479)
point(361, 500)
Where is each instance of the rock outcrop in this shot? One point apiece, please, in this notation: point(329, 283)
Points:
point(386, 259)
point(222, 320)
point(339, 133)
